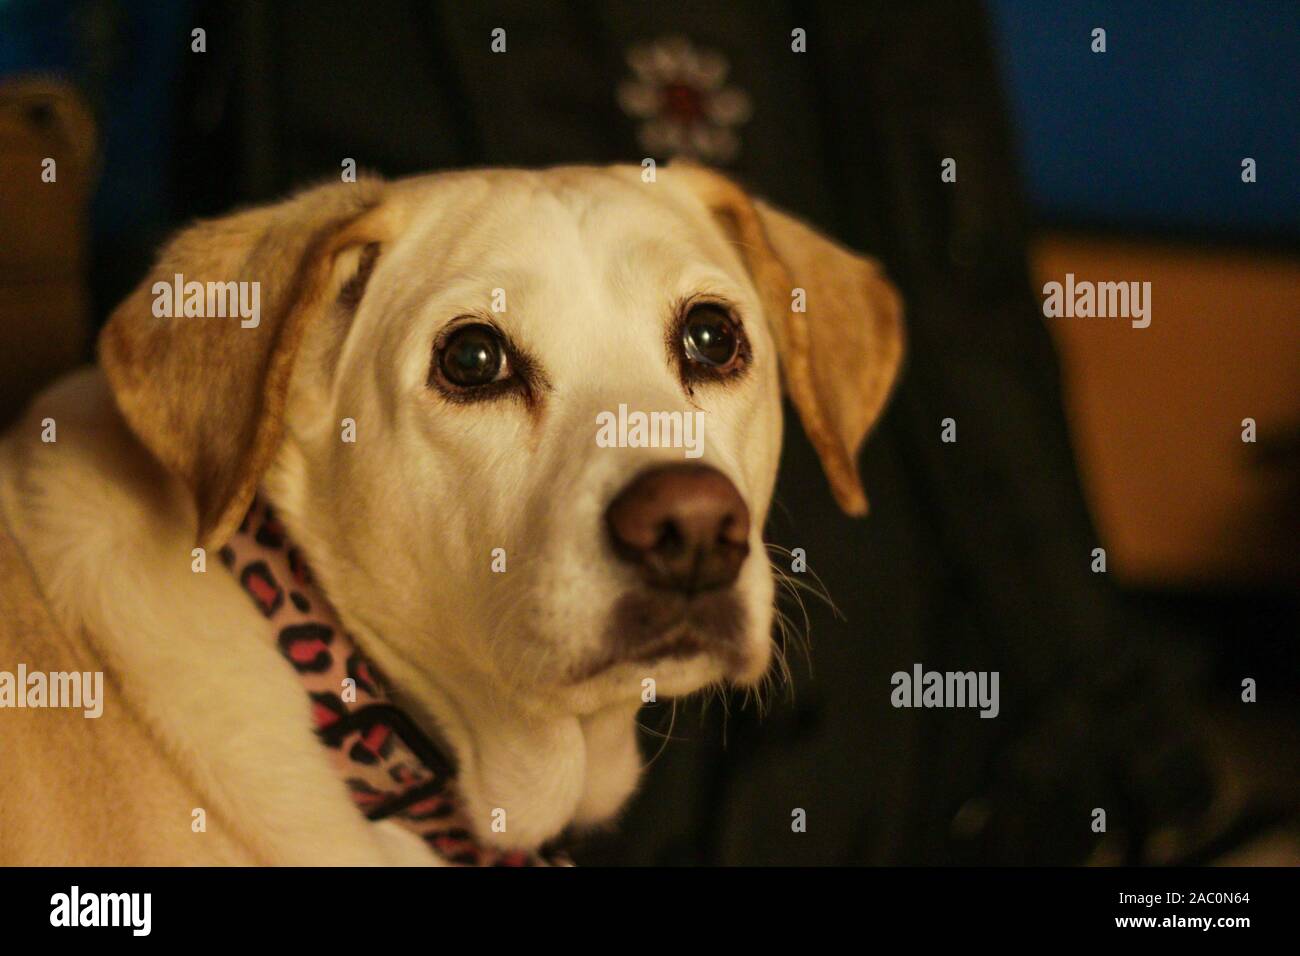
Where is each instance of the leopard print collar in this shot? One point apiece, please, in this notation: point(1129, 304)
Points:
point(391, 769)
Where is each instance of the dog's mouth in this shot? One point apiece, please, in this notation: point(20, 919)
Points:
point(681, 644)
point(648, 627)
point(684, 643)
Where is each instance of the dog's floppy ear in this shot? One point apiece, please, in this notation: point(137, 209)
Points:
point(836, 319)
point(206, 392)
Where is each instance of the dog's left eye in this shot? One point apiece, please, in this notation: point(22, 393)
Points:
point(711, 338)
point(473, 356)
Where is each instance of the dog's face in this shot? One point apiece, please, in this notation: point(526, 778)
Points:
point(457, 383)
point(509, 315)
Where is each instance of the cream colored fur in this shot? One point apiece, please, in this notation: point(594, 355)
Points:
point(201, 710)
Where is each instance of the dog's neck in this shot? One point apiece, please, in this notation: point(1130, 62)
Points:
point(521, 777)
point(550, 773)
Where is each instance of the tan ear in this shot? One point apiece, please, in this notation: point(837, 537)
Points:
point(840, 356)
point(206, 395)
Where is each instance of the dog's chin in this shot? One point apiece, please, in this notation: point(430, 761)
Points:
point(680, 644)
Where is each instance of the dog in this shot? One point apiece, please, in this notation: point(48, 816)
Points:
point(416, 403)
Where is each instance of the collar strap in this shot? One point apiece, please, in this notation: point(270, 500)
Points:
point(391, 768)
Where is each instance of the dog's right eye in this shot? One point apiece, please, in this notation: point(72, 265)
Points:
point(472, 356)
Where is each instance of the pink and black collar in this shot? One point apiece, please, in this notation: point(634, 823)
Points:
point(390, 767)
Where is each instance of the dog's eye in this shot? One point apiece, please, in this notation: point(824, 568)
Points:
point(473, 356)
point(710, 337)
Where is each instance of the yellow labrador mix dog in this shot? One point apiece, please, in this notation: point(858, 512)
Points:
point(386, 504)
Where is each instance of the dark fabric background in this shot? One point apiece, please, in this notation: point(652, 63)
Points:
point(976, 554)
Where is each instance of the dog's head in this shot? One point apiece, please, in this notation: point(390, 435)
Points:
point(525, 425)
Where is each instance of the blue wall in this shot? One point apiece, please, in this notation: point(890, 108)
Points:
point(1151, 134)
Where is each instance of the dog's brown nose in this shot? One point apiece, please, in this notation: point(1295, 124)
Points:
point(685, 526)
